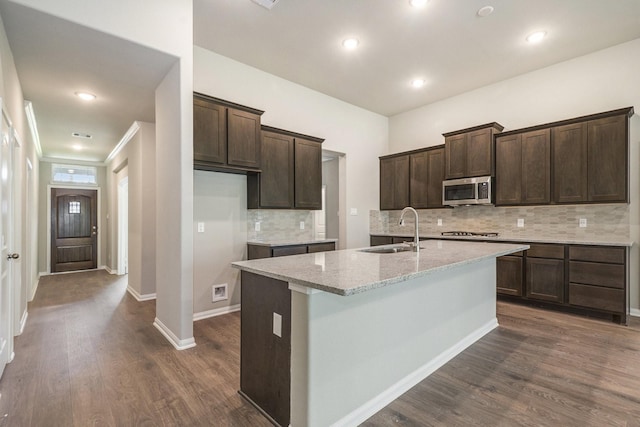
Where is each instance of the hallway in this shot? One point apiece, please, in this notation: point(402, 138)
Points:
point(90, 355)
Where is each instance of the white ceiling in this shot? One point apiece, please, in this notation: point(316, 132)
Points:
point(55, 58)
point(445, 43)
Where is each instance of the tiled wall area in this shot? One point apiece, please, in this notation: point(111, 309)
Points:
point(278, 224)
point(603, 221)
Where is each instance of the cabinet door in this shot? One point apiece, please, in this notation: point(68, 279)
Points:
point(509, 275)
point(276, 179)
point(209, 132)
point(455, 156)
point(545, 279)
point(394, 183)
point(435, 168)
point(570, 163)
point(536, 167)
point(607, 159)
point(480, 153)
point(509, 170)
point(244, 141)
point(418, 180)
point(380, 240)
point(308, 174)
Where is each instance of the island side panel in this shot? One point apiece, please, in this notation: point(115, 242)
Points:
point(264, 357)
point(351, 356)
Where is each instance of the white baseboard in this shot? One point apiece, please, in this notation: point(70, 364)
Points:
point(216, 312)
point(35, 289)
point(43, 273)
point(138, 297)
point(361, 414)
point(174, 340)
point(635, 312)
point(107, 268)
point(103, 267)
point(23, 322)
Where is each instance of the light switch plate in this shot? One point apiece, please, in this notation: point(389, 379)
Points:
point(277, 324)
point(354, 211)
point(520, 222)
point(583, 222)
point(201, 227)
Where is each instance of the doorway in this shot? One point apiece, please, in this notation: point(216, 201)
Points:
point(74, 229)
point(123, 226)
point(334, 195)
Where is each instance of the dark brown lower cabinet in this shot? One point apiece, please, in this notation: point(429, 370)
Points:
point(545, 279)
point(509, 275)
point(261, 251)
point(265, 358)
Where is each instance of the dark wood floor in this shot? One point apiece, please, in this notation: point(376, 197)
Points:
point(89, 355)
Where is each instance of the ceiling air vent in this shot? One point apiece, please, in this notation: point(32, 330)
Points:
point(267, 4)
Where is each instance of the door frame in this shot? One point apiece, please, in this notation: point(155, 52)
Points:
point(99, 219)
point(123, 226)
point(10, 298)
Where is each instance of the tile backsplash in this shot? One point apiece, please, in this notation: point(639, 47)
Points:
point(279, 223)
point(603, 220)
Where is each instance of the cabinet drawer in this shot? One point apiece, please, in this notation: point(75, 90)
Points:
point(597, 254)
point(596, 297)
point(380, 240)
point(591, 273)
point(289, 250)
point(322, 247)
point(546, 251)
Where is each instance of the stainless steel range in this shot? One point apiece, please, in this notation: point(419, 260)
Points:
point(469, 233)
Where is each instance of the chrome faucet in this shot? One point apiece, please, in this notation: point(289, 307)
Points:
point(416, 240)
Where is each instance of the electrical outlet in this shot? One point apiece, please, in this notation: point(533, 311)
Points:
point(257, 226)
point(520, 222)
point(301, 225)
point(583, 222)
point(277, 324)
point(201, 227)
point(219, 292)
point(439, 222)
point(354, 211)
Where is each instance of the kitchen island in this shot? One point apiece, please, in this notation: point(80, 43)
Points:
point(330, 338)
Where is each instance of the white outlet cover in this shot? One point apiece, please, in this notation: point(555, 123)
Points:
point(201, 227)
point(520, 222)
point(354, 211)
point(439, 222)
point(301, 225)
point(277, 324)
point(583, 222)
point(257, 226)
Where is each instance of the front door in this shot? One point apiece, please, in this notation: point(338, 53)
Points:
point(74, 229)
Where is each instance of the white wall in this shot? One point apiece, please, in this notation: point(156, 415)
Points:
point(601, 81)
point(220, 202)
point(133, 162)
point(360, 134)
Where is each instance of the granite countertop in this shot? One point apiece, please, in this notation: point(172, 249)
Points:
point(351, 271)
point(577, 240)
point(288, 242)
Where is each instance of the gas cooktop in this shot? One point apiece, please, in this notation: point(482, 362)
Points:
point(469, 233)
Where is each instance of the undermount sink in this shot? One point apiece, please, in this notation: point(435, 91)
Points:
point(387, 249)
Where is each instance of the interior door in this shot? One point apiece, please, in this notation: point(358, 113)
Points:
point(6, 256)
point(74, 229)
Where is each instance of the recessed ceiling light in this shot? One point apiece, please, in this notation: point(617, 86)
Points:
point(418, 3)
point(350, 43)
point(485, 11)
point(417, 83)
point(536, 37)
point(77, 147)
point(86, 96)
point(81, 135)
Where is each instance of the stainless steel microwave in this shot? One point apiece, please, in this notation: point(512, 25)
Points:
point(468, 191)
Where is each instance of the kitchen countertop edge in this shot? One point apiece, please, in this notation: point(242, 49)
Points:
point(273, 243)
point(518, 239)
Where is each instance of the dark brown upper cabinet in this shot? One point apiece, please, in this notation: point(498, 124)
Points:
point(523, 168)
point(394, 182)
point(291, 176)
point(591, 159)
point(412, 179)
point(226, 136)
point(470, 152)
